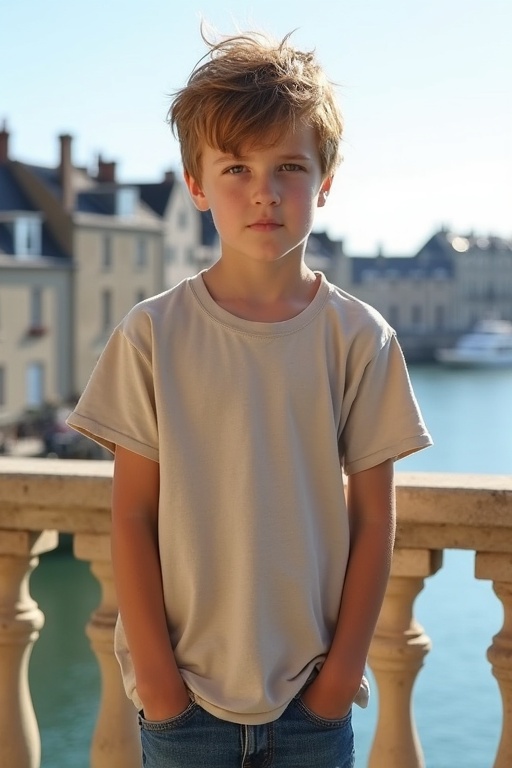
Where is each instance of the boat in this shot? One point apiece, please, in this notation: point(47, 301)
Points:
point(488, 344)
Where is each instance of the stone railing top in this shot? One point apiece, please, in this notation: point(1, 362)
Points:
point(435, 510)
point(454, 511)
point(70, 496)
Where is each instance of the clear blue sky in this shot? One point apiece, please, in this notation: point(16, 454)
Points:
point(426, 90)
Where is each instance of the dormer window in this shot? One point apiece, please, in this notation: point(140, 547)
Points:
point(27, 236)
point(127, 199)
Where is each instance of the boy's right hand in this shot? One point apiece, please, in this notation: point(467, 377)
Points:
point(164, 706)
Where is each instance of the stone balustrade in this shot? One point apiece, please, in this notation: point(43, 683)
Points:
point(41, 497)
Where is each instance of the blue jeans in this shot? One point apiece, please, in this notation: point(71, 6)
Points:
point(298, 739)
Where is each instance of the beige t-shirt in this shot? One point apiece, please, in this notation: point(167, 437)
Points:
point(250, 423)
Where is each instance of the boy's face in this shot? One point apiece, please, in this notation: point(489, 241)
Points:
point(263, 202)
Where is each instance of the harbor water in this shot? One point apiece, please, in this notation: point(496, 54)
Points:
point(457, 705)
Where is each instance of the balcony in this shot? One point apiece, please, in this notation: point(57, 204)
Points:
point(41, 497)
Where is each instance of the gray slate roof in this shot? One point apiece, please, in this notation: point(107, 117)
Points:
point(13, 198)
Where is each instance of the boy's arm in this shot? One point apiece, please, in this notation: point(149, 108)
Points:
point(138, 581)
point(371, 509)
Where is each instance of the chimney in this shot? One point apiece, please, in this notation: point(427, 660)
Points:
point(4, 144)
point(66, 173)
point(106, 171)
point(169, 177)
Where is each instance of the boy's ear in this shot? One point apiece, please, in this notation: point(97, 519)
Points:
point(196, 193)
point(324, 191)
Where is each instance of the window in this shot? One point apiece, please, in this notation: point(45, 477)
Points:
point(393, 315)
point(2, 386)
point(182, 218)
point(36, 308)
point(141, 253)
point(440, 316)
point(106, 310)
point(27, 236)
point(35, 385)
point(126, 201)
point(416, 315)
point(106, 254)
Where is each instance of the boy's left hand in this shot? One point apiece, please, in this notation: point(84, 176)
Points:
point(327, 701)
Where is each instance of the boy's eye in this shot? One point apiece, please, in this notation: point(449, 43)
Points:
point(292, 167)
point(234, 169)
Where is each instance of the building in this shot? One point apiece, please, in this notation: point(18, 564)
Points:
point(35, 300)
point(190, 238)
point(432, 297)
point(482, 284)
point(76, 252)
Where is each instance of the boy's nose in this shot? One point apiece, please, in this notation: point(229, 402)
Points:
point(266, 192)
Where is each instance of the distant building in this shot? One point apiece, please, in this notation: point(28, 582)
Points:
point(190, 239)
point(430, 298)
point(412, 293)
point(482, 282)
point(324, 254)
point(35, 300)
point(77, 251)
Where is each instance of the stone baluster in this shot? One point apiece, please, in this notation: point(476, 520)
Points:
point(396, 656)
point(115, 741)
point(20, 623)
point(498, 568)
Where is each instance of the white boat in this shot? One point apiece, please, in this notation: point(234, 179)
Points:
point(488, 344)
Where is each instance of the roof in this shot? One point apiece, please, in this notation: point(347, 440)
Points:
point(96, 202)
point(50, 177)
point(399, 267)
point(433, 260)
point(156, 196)
point(320, 244)
point(438, 247)
point(90, 195)
point(12, 197)
point(208, 232)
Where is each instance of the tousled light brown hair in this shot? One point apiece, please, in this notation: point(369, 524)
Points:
point(250, 90)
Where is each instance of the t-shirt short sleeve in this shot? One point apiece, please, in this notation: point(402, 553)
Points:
point(382, 419)
point(117, 406)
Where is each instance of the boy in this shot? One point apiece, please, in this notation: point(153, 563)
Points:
point(248, 586)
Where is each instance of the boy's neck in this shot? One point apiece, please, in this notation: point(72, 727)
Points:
point(264, 292)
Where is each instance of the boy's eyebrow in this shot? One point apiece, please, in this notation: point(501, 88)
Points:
point(297, 156)
point(228, 157)
point(224, 158)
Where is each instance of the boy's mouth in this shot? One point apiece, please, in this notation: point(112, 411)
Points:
point(265, 225)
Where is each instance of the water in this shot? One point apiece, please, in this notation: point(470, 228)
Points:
point(469, 414)
point(456, 700)
point(64, 675)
